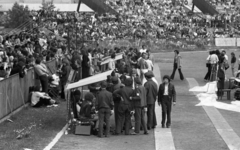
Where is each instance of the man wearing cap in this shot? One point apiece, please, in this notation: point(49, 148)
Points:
point(104, 106)
point(152, 90)
point(139, 104)
point(124, 106)
point(166, 95)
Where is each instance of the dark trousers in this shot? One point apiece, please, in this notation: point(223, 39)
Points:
point(151, 116)
point(43, 102)
point(207, 76)
point(62, 91)
point(213, 75)
point(166, 110)
point(175, 67)
point(140, 119)
point(123, 115)
point(220, 86)
point(116, 105)
point(44, 83)
point(85, 72)
point(104, 115)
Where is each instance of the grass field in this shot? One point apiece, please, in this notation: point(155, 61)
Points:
point(40, 124)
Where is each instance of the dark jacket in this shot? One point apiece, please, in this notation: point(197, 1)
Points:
point(142, 102)
point(86, 109)
point(152, 90)
point(65, 73)
point(125, 92)
point(171, 92)
point(104, 99)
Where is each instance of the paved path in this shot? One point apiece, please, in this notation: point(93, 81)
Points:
point(223, 128)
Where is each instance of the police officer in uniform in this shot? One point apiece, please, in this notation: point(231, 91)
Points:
point(152, 91)
point(116, 86)
point(104, 106)
point(139, 103)
point(125, 108)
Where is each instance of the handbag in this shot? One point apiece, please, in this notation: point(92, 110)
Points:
point(226, 65)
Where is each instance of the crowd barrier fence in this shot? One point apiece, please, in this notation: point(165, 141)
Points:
point(14, 91)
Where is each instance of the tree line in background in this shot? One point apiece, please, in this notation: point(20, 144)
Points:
point(20, 16)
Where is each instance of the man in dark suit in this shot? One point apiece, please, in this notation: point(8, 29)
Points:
point(125, 107)
point(104, 106)
point(139, 104)
point(152, 89)
point(116, 86)
point(166, 96)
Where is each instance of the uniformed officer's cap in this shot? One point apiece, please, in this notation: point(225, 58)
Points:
point(104, 84)
point(149, 74)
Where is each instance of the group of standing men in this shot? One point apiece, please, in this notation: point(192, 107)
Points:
point(127, 95)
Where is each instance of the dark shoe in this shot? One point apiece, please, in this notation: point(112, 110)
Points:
point(153, 127)
point(163, 126)
point(115, 133)
point(148, 128)
point(168, 126)
point(146, 133)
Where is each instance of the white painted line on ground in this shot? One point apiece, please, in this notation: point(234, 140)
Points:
point(163, 137)
point(57, 137)
point(223, 128)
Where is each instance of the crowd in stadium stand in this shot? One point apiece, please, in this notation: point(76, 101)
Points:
point(146, 19)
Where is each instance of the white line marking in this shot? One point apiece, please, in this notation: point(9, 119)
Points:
point(57, 137)
point(221, 125)
point(163, 137)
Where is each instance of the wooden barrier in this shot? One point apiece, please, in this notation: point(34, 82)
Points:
point(14, 91)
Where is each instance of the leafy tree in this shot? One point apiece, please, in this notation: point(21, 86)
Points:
point(47, 6)
point(18, 17)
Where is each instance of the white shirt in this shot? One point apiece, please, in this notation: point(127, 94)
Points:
point(111, 64)
point(213, 59)
point(143, 50)
point(36, 97)
point(149, 64)
point(166, 89)
point(226, 57)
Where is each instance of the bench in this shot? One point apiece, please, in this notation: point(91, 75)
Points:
point(228, 86)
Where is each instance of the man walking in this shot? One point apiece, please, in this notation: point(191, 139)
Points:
point(151, 88)
point(166, 96)
point(104, 106)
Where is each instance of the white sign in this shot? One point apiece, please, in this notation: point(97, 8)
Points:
point(225, 41)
